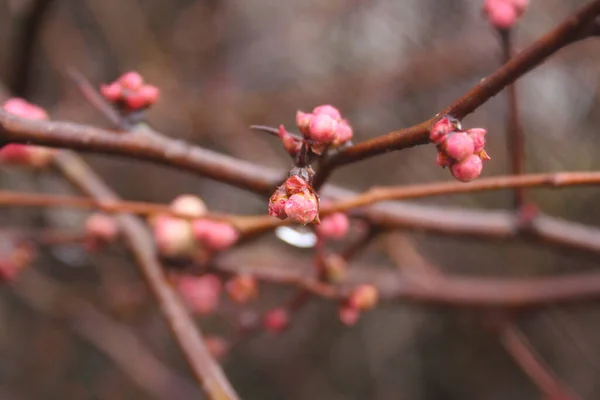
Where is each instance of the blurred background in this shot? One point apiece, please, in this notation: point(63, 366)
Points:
point(225, 65)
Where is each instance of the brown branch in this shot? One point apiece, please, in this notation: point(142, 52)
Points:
point(443, 221)
point(451, 291)
point(485, 184)
point(573, 28)
point(142, 146)
point(187, 335)
point(531, 363)
point(115, 340)
point(514, 131)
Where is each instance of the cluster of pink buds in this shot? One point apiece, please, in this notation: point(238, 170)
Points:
point(462, 151)
point(179, 237)
point(503, 14)
point(362, 298)
point(202, 293)
point(296, 200)
point(130, 93)
point(324, 126)
point(15, 153)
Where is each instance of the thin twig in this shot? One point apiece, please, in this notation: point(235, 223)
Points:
point(514, 131)
point(205, 368)
point(532, 364)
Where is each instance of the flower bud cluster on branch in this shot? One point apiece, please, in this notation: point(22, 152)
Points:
point(461, 151)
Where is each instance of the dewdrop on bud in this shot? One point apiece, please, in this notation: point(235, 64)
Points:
point(329, 110)
point(188, 205)
point(241, 288)
point(458, 146)
point(363, 298)
point(201, 293)
point(468, 169)
point(276, 320)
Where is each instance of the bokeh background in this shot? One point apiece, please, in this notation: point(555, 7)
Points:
point(225, 65)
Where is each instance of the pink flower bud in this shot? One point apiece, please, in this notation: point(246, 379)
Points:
point(302, 208)
point(277, 203)
point(131, 81)
point(478, 137)
point(111, 92)
point(468, 169)
point(440, 130)
point(222, 236)
point(348, 315)
point(189, 205)
point(458, 146)
point(295, 184)
point(303, 121)
point(334, 226)
point(101, 227)
point(343, 133)
point(502, 14)
point(150, 93)
point(24, 109)
point(328, 110)
point(21, 154)
point(322, 128)
point(201, 293)
point(289, 143)
point(276, 320)
point(241, 288)
point(363, 297)
point(173, 236)
point(335, 268)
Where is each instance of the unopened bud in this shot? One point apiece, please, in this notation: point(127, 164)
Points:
point(458, 146)
point(334, 226)
point(188, 205)
point(302, 208)
point(329, 110)
point(348, 315)
point(131, 80)
point(478, 137)
point(241, 288)
point(276, 320)
point(468, 169)
point(201, 293)
point(363, 298)
point(322, 128)
point(440, 130)
point(173, 236)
